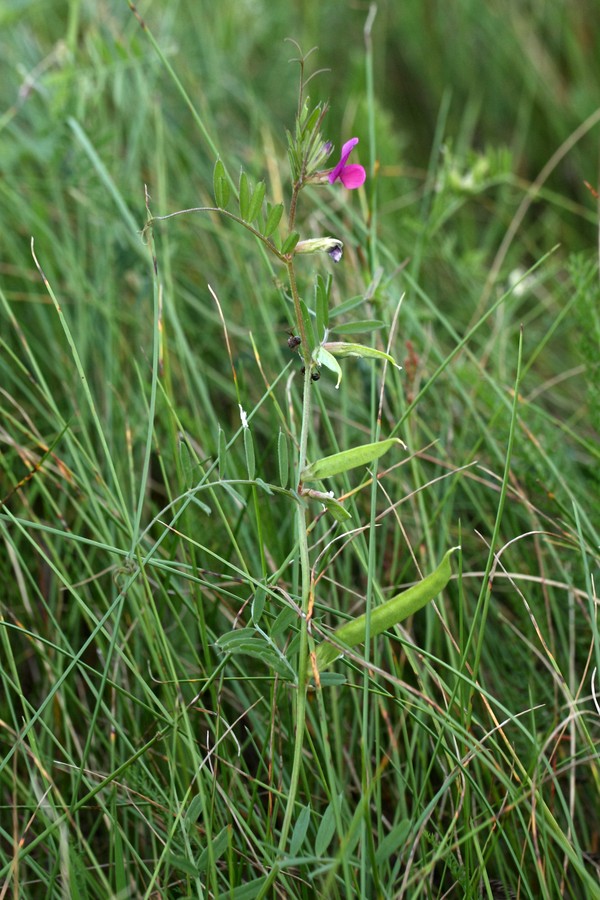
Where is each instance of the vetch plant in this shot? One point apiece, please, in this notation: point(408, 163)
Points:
point(308, 153)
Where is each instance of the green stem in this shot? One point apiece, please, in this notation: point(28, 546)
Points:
point(306, 357)
point(303, 651)
point(301, 527)
point(302, 543)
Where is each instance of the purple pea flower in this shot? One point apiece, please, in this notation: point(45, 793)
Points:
point(351, 176)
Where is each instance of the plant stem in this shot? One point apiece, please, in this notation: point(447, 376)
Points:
point(303, 651)
point(302, 542)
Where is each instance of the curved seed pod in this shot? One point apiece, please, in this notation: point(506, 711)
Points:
point(388, 614)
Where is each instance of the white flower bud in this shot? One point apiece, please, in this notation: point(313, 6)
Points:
point(321, 245)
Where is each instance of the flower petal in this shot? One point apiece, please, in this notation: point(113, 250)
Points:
point(335, 173)
point(347, 150)
point(352, 176)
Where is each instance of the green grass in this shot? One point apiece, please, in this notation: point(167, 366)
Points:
point(456, 755)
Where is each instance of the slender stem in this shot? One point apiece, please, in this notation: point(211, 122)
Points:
point(302, 542)
point(306, 404)
point(303, 650)
point(300, 86)
point(305, 345)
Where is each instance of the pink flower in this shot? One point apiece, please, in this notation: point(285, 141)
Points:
point(351, 176)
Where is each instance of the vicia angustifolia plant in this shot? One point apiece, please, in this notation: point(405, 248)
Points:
point(276, 229)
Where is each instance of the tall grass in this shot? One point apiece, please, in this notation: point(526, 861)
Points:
point(138, 758)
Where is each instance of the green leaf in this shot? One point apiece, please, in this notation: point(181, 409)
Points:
point(392, 842)
point(326, 831)
point(244, 196)
point(256, 201)
point(290, 242)
point(347, 306)
point(341, 348)
point(264, 486)
point(249, 451)
point(181, 864)
point(274, 215)
point(121, 863)
point(235, 495)
point(250, 890)
point(194, 810)
point(322, 305)
point(388, 614)
point(221, 185)
point(78, 874)
point(223, 193)
point(335, 509)
point(203, 506)
point(231, 639)
point(332, 679)
point(312, 119)
point(300, 829)
point(284, 460)
point(258, 604)
point(283, 622)
point(308, 325)
point(186, 462)
point(293, 155)
point(324, 358)
point(359, 326)
point(347, 459)
point(219, 845)
point(245, 642)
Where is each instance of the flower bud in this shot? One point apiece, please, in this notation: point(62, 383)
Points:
point(321, 245)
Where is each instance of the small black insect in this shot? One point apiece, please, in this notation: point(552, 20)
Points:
point(313, 375)
point(294, 341)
